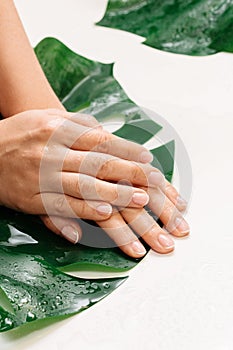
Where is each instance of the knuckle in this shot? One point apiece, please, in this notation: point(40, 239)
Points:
point(85, 187)
point(168, 212)
point(115, 192)
point(75, 184)
point(60, 205)
point(135, 173)
point(103, 142)
point(105, 167)
point(47, 127)
point(82, 210)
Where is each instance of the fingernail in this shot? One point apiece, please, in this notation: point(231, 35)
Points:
point(104, 209)
point(166, 241)
point(181, 202)
point(140, 198)
point(70, 233)
point(182, 225)
point(146, 157)
point(155, 178)
point(138, 248)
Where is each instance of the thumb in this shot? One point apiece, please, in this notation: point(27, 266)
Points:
point(65, 227)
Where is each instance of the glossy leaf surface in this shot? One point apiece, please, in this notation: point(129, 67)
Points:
point(31, 257)
point(37, 290)
point(87, 86)
point(27, 234)
point(192, 27)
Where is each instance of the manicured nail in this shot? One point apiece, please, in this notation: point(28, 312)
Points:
point(146, 157)
point(138, 248)
point(155, 178)
point(104, 209)
point(70, 233)
point(182, 225)
point(181, 202)
point(140, 198)
point(166, 241)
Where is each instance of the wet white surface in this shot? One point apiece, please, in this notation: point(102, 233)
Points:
point(184, 300)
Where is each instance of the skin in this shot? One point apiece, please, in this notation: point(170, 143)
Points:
point(61, 165)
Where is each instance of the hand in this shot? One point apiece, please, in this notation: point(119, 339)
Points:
point(167, 205)
point(33, 138)
point(165, 202)
point(23, 141)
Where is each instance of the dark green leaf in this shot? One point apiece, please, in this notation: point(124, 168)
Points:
point(87, 86)
point(138, 130)
point(37, 290)
point(164, 159)
point(29, 253)
point(69, 71)
point(27, 234)
point(192, 27)
point(54, 57)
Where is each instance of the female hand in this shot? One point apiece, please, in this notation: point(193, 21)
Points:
point(24, 139)
point(34, 145)
point(165, 201)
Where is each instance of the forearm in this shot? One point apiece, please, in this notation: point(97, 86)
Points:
point(23, 85)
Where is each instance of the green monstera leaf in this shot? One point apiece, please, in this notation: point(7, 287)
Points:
point(36, 290)
point(192, 27)
point(87, 86)
point(27, 234)
point(32, 258)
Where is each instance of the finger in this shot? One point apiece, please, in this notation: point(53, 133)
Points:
point(174, 196)
point(84, 138)
point(80, 118)
point(166, 211)
point(65, 227)
point(80, 137)
point(57, 204)
point(85, 120)
point(89, 188)
point(147, 228)
point(122, 235)
point(105, 142)
point(110, 168)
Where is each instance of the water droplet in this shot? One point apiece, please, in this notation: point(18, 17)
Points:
point(30, 316)
point(8, 323)
point(106, 285)
point(94, 286)
point(58, 300)
point(24, 301)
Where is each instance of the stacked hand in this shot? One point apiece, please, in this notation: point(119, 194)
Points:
point(63, 166)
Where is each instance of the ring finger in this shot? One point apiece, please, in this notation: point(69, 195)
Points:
point(122, 235)
point(147, 228)
point(167, 212)
point(87, 187)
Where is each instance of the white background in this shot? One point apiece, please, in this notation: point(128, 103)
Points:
point(184, 300)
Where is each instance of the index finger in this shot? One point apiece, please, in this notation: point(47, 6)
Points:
point(102, 141)
point(76, 136)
